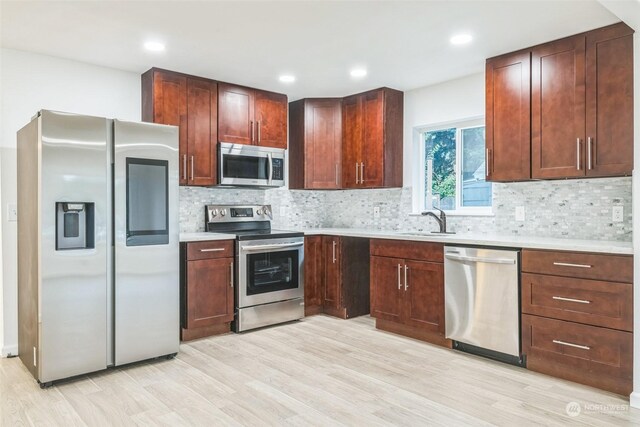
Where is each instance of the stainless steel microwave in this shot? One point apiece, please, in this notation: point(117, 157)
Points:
point(249, 165)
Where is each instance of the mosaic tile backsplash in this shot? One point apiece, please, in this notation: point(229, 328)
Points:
point(577, 209)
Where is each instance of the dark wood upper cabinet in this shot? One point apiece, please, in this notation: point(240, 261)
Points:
point(251, 116)
point(235, 114)
point(609, 101)
point(372, 139)
point(202, 131)
point(581, 115)
point(351, 141)
point(164, 101)
point(271, 119)
point(508, 117)
point(558, 109)
point(191, 103)
point(315, 143)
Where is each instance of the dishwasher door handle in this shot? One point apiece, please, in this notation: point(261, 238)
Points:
point(480, 259)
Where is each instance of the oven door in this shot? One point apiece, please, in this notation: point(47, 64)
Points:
point(250, 165)
point(270, 270)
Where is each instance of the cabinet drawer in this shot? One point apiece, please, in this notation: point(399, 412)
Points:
point(613, 268)
point(593, 302)
point(404, 249)
point(210, 249)
point(589, 355)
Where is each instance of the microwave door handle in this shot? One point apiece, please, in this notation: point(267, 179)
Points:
point(270, 158)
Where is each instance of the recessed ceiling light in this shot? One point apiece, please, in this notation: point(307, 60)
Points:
point(459, 39)
point(154, 46)
point(287, 78)
point(358, 72)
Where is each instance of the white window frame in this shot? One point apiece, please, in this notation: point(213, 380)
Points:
point(420, 202)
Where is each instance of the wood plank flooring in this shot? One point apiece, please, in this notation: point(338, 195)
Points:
point(319, 371)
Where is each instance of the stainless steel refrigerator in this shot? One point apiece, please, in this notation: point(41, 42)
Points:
point(98, 243)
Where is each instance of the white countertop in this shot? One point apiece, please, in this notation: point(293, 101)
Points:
point(497, 240)
point(205, 236)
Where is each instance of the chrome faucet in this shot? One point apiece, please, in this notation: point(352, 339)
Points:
point(442, 219)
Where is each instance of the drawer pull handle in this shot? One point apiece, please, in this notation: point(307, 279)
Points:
point(568, 344)
point(568, 264)
point(212, 250)
point(581, 301)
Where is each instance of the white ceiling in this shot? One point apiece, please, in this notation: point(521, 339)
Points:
point(403, 44)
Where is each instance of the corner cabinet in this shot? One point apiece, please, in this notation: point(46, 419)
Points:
point(372, 139)
point(207, 288)
point(191, 103)
point(315, 144)
point(581, 96)
point(407, 289)
point(251, 116)
point(336, 276)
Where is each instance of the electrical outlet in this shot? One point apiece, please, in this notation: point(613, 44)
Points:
point(283, 211)
point(519, 213)
point(617, 214)
point(376, 212)
point(12, 212)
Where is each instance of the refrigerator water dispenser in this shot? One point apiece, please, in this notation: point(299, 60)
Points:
point(74, 225)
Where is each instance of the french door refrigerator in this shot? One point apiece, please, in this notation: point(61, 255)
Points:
point(98, 244)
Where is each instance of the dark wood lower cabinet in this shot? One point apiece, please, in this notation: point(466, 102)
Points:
point(313, 275)
point(207, 292)
point(590, 355)
point(336, 276)
point(407, 295)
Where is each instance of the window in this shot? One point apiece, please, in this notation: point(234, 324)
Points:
point(452, 165)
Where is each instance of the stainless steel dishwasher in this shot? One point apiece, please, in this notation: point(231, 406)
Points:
point(482, 313)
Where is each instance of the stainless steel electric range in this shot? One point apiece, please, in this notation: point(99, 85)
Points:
point(269, 267)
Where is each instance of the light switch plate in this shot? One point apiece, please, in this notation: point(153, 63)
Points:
point(283, 211)
point(12, 212)
point(519, 213)
point(617, 214)
point(376, 212)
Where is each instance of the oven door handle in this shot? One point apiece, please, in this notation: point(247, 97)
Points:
point(267, 247)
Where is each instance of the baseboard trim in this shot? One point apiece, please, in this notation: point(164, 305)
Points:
point(9, 350)
point(634, 399)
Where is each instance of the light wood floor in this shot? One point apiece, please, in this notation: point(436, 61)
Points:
point(320, 371)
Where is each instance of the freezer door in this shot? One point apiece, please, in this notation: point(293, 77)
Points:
point(146, 297)
point(481, 298)
point(72, 309)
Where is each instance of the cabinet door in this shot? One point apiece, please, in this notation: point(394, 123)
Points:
point(508, 120)
point(170, 108)
point(209, 292)
point(202, 134)
point(332, 274)
point(271, 119)
point(387, 290)
point(351, 141)
point(424, 295)
point(323, 143)
point(235, 114)
point(609, 70)
point(313, 274)
point(558, 109)
point(372, 148)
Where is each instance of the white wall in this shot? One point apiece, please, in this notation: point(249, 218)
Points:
point(31, 82)
point(449, 101)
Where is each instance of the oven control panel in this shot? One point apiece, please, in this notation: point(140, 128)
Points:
point(234, 213)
